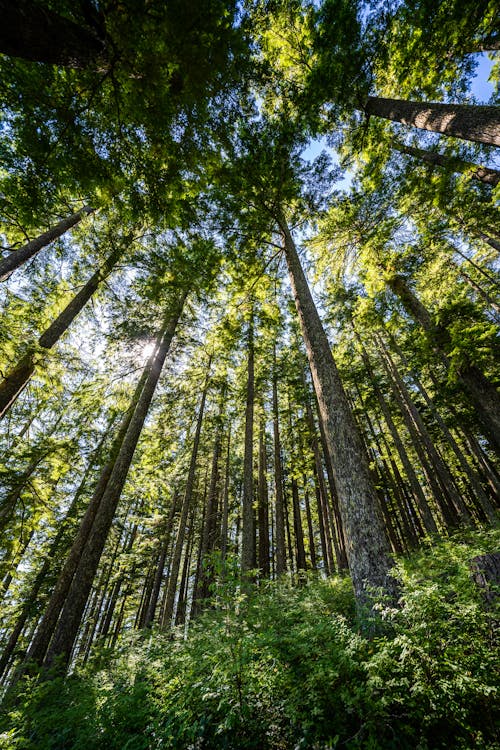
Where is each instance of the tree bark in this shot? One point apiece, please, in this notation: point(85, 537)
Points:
point(454, 164)
point(153, 600)
point(440, 471)
point(248, 526)
point(487, 44)
point(469, 122)
point(47, 625)
point(418, 493)
point(208, 537)
point(168, 608)
point(53, 553)
point(482, 393)
point(367, 544)
point(300, 554)
point(69, 621)
point(310, 530)
point(473, 479)
point(278, 483)
point(18, 376)
point(225, 500)
point(333, 521)
point(40, 35)
point(17, 258)
point(263, 505)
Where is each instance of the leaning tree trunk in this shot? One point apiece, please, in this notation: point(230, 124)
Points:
point(69, 621)
point(452, 163)
point(248, 526)
point(367, 544)
point(17, 258)
point(18, 376)
point(418, 493)
point(470, 122)
point(481, 391)
point(38, 34)
point(46, 627)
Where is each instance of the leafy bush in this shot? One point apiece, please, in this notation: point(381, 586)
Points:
point(287, 667)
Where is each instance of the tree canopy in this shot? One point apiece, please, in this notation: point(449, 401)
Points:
point(248, 358)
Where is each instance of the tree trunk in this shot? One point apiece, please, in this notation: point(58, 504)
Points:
point(491, 241)
point(333, 521)
point(225, 500)
point(278, 480)
point(38, 34)
point(53, 553)
point(469, 122)
point(263, 505)
point(47, 625)
point(180, 614)
point(18, 376)
point(310, 530)
point(81, 584)
point(298, 528)
point(155, 592)
point(17, 258)
point(452, 163)
point(248, 527)
point(481, 391)
point(469, 473)
point(367, 544)
point(168, 608)
point(440, 471)
point(207, 545)
point(418, 493)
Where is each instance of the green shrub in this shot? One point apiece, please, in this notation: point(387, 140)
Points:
point(286, 666)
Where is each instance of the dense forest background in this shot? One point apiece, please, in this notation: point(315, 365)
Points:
point(249, 409)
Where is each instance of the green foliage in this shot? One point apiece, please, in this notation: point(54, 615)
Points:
point(285, 666)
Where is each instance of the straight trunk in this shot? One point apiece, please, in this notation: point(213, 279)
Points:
point(18, 376)
point(225, 501)
point(452, 163)
point(367, 544)
point(491, 241)
point(155, 592)
point(263, 505)
point(186, 504)
point(310, 530)
point(297, 527)
point(278, 483)
point(17, 258)
point(208, 537)
point(70, 618)
point(472, 477)
point(180, 615)
point(469, 122)
point(52, 554)
point(248, 527)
